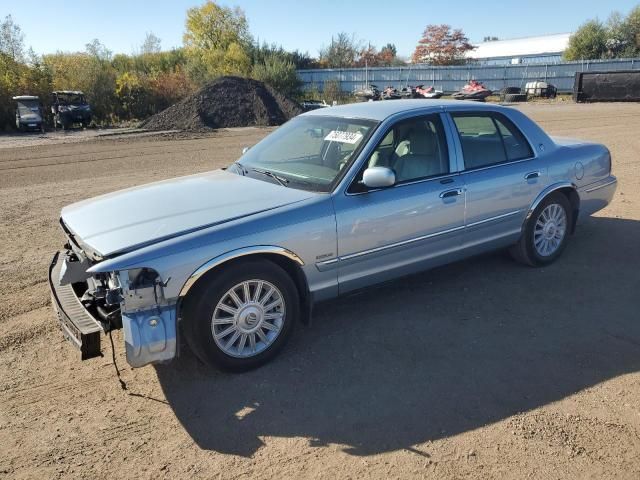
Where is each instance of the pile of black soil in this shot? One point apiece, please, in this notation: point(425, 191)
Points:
point(226, 102)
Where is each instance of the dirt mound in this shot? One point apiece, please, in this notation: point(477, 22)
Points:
point(226, 102)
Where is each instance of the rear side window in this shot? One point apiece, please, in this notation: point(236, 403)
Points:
point(515, 144)
point(489, 139)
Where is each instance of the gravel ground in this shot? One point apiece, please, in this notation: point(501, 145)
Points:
point(481, 369)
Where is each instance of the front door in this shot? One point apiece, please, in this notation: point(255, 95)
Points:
point(416, 223)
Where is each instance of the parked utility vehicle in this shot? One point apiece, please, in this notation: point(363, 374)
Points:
point(29, 115)
point(68, 108)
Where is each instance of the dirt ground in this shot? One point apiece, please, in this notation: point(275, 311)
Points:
point(481, 369)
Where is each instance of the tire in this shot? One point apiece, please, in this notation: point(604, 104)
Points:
point(212, 300)
point(515, 97)
point(556, 207)
point(510, 90)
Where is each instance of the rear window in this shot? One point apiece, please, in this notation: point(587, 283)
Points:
point(489, 139)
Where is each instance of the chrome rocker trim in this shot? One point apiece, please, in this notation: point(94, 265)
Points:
point(332, 261)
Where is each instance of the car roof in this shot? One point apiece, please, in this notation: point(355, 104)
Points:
point(74, 92)
point(26, 97)
point(383, 109)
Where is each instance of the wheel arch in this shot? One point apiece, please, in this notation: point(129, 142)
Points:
point(286, 259)
point(569, 190)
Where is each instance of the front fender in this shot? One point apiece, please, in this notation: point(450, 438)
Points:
point(240, 252)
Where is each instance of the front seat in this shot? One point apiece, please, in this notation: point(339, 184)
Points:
point(421, 157)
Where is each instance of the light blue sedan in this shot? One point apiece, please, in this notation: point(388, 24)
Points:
point(336, 199)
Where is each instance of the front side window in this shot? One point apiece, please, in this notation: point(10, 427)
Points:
point(309, 152)
point(414, 149)
point(489, 139)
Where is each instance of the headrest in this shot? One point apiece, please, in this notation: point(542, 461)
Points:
point(376, 159)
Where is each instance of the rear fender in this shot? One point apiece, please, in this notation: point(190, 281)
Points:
point(549, 190)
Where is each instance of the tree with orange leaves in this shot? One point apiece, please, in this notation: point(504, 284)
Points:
point(440, 45)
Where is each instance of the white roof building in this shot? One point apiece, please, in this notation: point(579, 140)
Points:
point(521, 50)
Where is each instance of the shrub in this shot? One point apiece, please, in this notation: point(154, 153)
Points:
point(279, 73)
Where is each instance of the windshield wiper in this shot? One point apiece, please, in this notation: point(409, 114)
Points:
point(282, 181)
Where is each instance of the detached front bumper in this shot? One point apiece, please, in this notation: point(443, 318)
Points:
point(150, 330)
point(77, 324)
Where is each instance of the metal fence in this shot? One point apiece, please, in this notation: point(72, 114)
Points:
point(451, 79)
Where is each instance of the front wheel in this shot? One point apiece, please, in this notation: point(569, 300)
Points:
point(546, 232)
point(242, 316)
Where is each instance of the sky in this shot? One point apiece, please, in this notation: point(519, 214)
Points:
point(121, 25)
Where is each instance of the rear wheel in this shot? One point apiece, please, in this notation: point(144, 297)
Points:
point(243, 316)
point(546, 232)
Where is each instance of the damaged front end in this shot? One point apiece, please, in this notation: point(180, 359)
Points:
point(90, 304)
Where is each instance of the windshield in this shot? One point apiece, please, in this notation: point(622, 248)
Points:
point(70, 99)
point(26, 107)
point(308, 152)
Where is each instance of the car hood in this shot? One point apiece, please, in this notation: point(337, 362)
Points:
point(128, 219)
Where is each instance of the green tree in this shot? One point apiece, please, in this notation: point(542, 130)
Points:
point(132, 93)
point(11, 39)
point(343, 51)
point(212, 27)
point(588, 43)
point(151, 44)
point(624, 33)
point(216, 41)
point(278, 72)
point(261, 52)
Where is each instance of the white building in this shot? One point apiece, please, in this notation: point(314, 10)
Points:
point(542, 49)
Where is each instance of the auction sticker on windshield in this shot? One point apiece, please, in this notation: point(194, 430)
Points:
point(343, 137)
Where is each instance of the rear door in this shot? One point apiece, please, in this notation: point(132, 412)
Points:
point(501, 173)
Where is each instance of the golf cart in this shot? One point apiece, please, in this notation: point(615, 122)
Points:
point(29, 114)
point(69, 107)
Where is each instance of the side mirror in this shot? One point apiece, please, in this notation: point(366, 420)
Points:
point(245, 150)
point(378, 177)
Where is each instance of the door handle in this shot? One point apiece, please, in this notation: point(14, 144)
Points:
point(531, 175)
point(451, 193)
